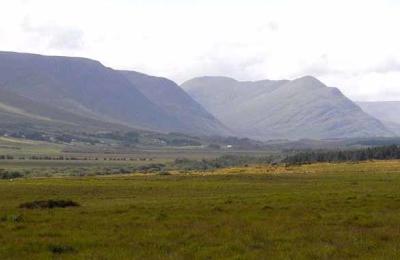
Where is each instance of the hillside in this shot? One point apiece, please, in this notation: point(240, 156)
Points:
point(80, 86)
point(176, 103)
point(89, 95)
point(302, 108)
point(17, 111)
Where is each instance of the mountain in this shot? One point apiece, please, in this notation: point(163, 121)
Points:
point(386, 111)
point(80, 88)
point(302, 108)
point(176, 103)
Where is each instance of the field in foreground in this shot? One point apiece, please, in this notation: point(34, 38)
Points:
point(315, 211)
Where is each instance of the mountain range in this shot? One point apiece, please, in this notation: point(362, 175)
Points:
point(81, 91)
point(78, 94)
point(301, 108)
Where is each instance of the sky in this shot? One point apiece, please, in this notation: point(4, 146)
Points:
point(353, 45)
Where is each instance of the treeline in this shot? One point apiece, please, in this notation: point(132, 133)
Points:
point(220, 162)
point(188, 165)
point(373, 153)
point(391, 152)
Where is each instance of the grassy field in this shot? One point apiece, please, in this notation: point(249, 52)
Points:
point(14, 146)
point(321, 211)
point(42, 159)
point(51, 168)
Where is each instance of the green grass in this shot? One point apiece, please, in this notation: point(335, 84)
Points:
point(310, 212)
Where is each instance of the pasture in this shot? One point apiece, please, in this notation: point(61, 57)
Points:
point(319, 211)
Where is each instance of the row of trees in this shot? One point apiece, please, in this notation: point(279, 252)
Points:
point(373, 153)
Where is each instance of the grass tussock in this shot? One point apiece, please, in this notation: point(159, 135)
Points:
point(61, 249)
point(49, 204)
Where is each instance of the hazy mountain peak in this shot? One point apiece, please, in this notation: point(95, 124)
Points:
point(308, 82)
point(307, 78)
point(302, 108)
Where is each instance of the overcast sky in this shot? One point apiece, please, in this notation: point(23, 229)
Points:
point(350, 44)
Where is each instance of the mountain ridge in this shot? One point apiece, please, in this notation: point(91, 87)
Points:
point(301, 108)
point(87, 88)
point(82, 92)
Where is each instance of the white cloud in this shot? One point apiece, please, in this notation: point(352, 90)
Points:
point(349, 44)
point(53, 36)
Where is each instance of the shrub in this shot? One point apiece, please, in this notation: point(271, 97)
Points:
point(6, 175)
point(150, 168)
point(164, 172)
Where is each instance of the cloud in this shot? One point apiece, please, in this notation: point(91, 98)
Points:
point(54, 36)
point(353, 48)
point(318, 68)
point(270, 26)
point(242, 69)
point(390, 65)
point(70, 39)
point(273, 26)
